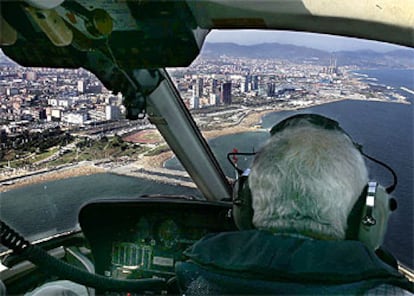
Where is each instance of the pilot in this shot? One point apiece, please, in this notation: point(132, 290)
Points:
point(310, 220)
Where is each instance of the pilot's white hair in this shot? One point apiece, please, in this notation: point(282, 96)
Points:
point(306, 180)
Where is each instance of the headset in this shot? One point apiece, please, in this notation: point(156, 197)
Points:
point(367, 221)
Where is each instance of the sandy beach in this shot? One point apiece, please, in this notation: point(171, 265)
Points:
point(157, 161)
point(247, 124)
point(69, 172)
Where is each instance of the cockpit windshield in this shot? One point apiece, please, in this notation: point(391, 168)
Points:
point(65, 140)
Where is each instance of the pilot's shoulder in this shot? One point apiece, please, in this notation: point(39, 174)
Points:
point(388, 290)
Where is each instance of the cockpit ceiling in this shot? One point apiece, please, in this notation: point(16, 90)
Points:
point(154, 34)
point(142, 34)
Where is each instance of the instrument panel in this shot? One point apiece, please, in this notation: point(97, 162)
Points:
point(144, 238)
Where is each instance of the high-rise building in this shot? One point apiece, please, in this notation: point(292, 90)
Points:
point(214, 99)
point(262, 89)
point(255, 82)
point(271, 87)
point(81, 86)
point(332, 69)
point(196, 102)
point(225, 94)
point(214, 86)
point(198, 88)
point(247, 83)
point(112, 112)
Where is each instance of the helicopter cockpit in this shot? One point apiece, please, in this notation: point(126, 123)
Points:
point(131, 245)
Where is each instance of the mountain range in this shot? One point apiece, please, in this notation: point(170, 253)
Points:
point(403, 58)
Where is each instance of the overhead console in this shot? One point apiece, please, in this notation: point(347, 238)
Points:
point(144, 238)
point(72, 34)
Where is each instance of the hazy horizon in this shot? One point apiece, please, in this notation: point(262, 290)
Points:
point(323, 42)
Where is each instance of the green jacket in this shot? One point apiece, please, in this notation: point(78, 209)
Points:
point(259, 262)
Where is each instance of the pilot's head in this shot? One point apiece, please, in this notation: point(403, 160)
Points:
point(306, 179)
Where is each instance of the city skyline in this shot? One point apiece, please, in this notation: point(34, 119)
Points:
point(52, 117)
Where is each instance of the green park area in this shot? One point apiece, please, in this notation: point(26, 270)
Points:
point(81, 149)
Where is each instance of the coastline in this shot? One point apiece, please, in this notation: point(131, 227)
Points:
point(246, 124)
point(156, 162)
point(81, 169)
point(151, 162)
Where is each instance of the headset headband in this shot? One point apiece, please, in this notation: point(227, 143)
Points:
point(330, 124)
point(315, 119)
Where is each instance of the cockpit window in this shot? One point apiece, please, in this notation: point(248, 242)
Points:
point(65, 141)
point(64, 138)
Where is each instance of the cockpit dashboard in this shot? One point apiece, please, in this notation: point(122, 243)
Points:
point(144, 238)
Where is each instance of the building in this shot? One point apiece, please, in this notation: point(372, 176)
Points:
point(113, 100)
point(97, 114)
point(54, 115)
point(60, 102)
point(262, 89)
point(198, 88)
point(3, 136)
point(81, 86)
point(225, 94)
point(38, 113)
point(75, 118)
point(214, 99)
point(31, 76)
point(11, 91)
point(112, 112)
point(255, 82)
point(247, 83)
point(65, 102)
point(196, 103)
point(214, 86)
point(95, 88)
point(271, 88)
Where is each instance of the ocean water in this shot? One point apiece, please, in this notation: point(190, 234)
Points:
point(39, 210)
point(393, 77)
point(384, 129)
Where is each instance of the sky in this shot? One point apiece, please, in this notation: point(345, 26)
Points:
point(319, 41)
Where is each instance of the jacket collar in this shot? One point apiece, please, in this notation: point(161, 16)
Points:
point(262, 253)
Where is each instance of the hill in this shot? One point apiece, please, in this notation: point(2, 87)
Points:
point(362, 58)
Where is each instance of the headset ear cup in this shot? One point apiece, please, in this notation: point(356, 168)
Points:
point(242, 204)
point(371, 235)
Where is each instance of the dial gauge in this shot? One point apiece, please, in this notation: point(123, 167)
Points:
point(142, 229)
point(168, 233)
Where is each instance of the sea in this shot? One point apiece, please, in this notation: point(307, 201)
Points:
point(385, 129)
